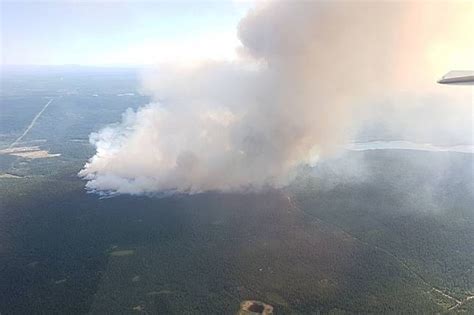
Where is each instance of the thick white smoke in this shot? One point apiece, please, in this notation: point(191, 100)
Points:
point(306, 71)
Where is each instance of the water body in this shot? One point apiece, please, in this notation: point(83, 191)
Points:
point(408, 145)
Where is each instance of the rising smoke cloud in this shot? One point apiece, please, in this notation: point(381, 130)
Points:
point(307, 70)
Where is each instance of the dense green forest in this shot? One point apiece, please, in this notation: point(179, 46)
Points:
point(386, 242)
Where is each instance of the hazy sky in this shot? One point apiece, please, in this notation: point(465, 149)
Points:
point(117, 32)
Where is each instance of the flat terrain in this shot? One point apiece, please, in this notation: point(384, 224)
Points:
point(382, 231)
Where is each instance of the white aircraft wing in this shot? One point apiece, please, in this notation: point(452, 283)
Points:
point(458, 77)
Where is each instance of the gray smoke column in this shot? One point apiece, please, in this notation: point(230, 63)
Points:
point(307, 69)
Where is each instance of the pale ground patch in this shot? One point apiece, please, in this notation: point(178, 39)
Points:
point(31, 152)
point(139, 308)
point(6, 175)
point(60, 281)
point(79, 140)
point(255, 307)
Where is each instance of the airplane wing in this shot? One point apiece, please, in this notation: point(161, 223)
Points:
point(458, 77)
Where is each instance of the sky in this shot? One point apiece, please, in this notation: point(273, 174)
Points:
point(118, 32)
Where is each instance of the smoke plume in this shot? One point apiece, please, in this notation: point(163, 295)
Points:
point(306, 71)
